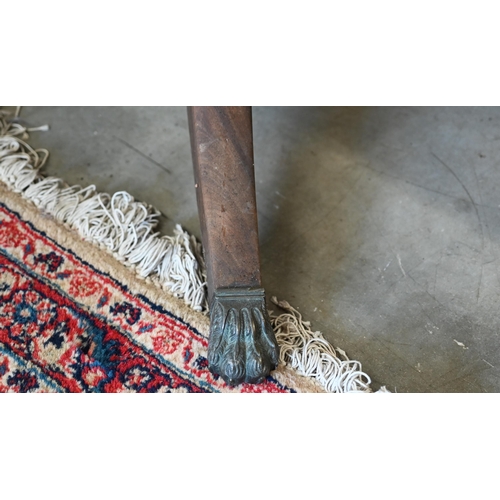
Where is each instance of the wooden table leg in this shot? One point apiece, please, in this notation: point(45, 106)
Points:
point(242, 346)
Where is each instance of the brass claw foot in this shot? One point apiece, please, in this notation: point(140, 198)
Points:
point(242, 346)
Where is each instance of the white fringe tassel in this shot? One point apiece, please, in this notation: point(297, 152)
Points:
point(311, 355)
point(118, 223)
point(125, 228)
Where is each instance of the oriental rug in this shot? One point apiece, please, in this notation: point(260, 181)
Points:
point(73, 319)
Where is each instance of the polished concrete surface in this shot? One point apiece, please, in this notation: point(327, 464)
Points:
point(382, 225)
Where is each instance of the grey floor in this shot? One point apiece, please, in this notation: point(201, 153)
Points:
point(382, 225)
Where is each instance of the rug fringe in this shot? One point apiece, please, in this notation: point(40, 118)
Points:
point(312, 355)
point(125, 228)
point(118, 223)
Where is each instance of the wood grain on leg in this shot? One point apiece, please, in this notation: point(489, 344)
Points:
point(221, 141)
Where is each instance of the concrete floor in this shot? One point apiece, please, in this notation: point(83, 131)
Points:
point(381, 224)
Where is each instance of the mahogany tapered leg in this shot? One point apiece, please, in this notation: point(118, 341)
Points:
point(242, 346)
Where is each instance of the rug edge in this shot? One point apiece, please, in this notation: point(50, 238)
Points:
point(102, 259)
